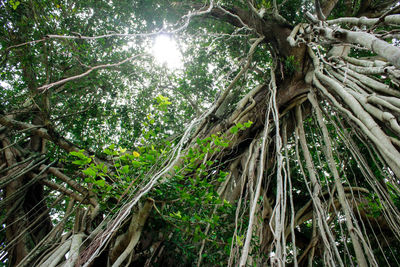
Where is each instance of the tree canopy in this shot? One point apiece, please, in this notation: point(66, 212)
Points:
point(273, 140)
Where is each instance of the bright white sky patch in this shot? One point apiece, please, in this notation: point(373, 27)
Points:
point(166, 51)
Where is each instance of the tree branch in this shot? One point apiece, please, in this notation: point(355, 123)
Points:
point(48, 86)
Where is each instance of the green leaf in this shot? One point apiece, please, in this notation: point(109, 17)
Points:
point(137, 164)
point(176, 215)
point(226, 203)
point(224, 144)
point(15, 4)
point(149, 157)
point(239, 240)
point(125, 169)
point(100, 183)
point(78, 154)
point(89, 172)
point(248, 124)
point(79, 162)
point(108, 152)
point(234, 130)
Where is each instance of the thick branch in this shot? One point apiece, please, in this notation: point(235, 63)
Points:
point(39, 131)
point(392, 19)
point(64, 190)
point(369, 41)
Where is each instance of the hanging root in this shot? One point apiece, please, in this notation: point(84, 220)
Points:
point(128, 241)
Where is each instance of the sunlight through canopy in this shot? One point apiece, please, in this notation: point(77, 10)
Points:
point(166, 52)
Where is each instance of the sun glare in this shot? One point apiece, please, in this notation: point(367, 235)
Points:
point(165, 50)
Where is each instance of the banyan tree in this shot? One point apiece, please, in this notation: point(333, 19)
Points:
point(276, 142)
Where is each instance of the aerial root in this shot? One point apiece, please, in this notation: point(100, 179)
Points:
point(135, 230)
